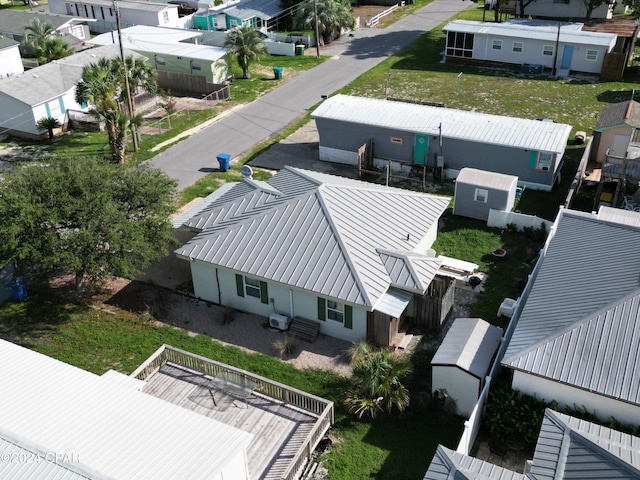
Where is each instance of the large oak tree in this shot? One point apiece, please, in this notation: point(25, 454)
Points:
point(84, 216)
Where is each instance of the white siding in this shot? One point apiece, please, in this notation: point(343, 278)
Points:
point(10, 61)
point(603, 407)
point(15, 115)
point(335, 155)
point(462, 387)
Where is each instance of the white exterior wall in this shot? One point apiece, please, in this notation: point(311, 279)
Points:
point(461, 386)
point(338, 156)
point(10, 61)
point(291, 302)
point(574, 9)
point(606, 140)
point(603, 407)
point(532, 52)
point(15, 115)
point(128, 16)
point(142, 17)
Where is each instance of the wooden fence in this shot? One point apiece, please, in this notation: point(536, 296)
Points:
point(433, 307)
point(317, 406)
point(188, 83)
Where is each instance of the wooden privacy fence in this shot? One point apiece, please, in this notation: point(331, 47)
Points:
point(433, 307)
point(612, 67)
point(317, 406)
point(188, 83)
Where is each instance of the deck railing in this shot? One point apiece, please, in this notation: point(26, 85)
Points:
point(318, 406)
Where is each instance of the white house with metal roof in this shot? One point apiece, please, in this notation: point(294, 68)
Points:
point(463, 360)
point(46, 91)
point(132, 12)
point(60, 422)
point(567, 448)
point(347, 254)
point(167, 51)
point(576, 338)
point(409, 134)
point(564, 47)
point(10, 59)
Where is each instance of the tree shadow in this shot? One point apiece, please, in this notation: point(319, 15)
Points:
point(614, 96)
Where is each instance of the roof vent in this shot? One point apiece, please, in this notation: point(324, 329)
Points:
point(35, 75)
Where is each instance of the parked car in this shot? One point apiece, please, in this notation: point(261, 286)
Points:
point(183, 7)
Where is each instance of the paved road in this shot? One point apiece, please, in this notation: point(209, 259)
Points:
point(235, 134)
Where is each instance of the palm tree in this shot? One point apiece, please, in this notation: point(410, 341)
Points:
point(377, 382)
point(36, 32)
point(246, 44)
point(52, 48)
point(141, 75)
point(48, 124)
point(100, 87)
point(333, 15)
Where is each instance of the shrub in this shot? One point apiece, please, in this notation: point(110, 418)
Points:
point(285, 346)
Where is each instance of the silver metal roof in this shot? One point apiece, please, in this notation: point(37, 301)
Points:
point(570, 448)
point(535, 30)
point(410, 271)
point(456, 124)
point(450, 465)
point(202, 205)
point(313, 235)
point(482, 178)
point(393, 302)
point(254, 8)
point(470, 344)
point(618, 215)
point(53, 79)
point(116, 431)
point(586, 288)
point(139, 43)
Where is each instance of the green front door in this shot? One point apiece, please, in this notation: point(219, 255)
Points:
point(420, 148)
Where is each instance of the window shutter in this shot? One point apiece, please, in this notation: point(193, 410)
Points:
point(348, 316)
point(240, 285)
point(264, 292)
point(533, 159)
point(322, 309)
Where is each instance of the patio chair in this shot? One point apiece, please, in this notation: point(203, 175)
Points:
point(507, 307)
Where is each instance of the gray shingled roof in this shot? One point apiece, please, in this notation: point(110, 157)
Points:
point(12, 22)
point(464, 125)
point(621, 113)
point(6, 42)
point(49, 81)
point(470, 344)
point(317, 232)
point(248, 9)
point(586, 288)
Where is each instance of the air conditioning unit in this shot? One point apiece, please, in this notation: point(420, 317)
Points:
point(280, 322)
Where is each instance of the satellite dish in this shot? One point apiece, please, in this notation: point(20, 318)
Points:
point(246, 171)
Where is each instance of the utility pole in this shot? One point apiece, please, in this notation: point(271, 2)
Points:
point(315, 16)
point(134, 134)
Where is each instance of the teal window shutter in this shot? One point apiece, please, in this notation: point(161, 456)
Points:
point(61, 100)
point(240, 285)
point(533, 158)
point(322, 309)
point(348, 317)
point(47, 109)
point(264, 292)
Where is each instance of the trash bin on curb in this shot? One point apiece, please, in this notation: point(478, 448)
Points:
point(223, 160)
point(300, 49)
point(277, 73)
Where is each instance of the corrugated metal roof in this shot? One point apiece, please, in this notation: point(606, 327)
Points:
point(114, 430)
point(618, 215)
point(535, 30)
point(470, 344)
point(482, 178)
point(254, 8)
point(450, 465)
point(587, 279)
point(458, 124)
point(393, 302)
point(53, 79)
point(313, 236)
point(205, 204)
point(409, 270)
point(621, 113)
point(138, 43)
point(568, 447)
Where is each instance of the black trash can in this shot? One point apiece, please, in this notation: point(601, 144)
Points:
point(224, 159)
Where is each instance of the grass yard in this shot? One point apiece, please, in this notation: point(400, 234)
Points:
point(391, 447)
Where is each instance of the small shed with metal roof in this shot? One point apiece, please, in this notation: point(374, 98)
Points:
point(560, 48)
point(463, 360)
point(478, 191)
point(410, 135)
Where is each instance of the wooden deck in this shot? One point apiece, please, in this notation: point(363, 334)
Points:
point(279, 429)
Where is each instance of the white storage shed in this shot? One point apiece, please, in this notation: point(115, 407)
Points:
point(478, 191)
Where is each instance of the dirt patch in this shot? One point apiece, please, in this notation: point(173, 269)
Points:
point(366, 12)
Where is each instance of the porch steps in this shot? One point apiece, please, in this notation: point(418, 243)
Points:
point(304, 329)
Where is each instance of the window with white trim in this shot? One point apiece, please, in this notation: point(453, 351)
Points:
point(517, 46)
point(592, 55)
point(544, 161)
point(335, 311)
point(496, 44)
point(165, 17)
point(547, 50)
point(481, 195)
point(252, 287)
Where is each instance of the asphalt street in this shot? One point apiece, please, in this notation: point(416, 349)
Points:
point(236, 133)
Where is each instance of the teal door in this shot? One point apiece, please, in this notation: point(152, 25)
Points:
point(567, 56)
point(420, 148)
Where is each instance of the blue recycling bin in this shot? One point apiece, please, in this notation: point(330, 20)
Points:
point(18, 289)
point(277, 73)
point(224, 159)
